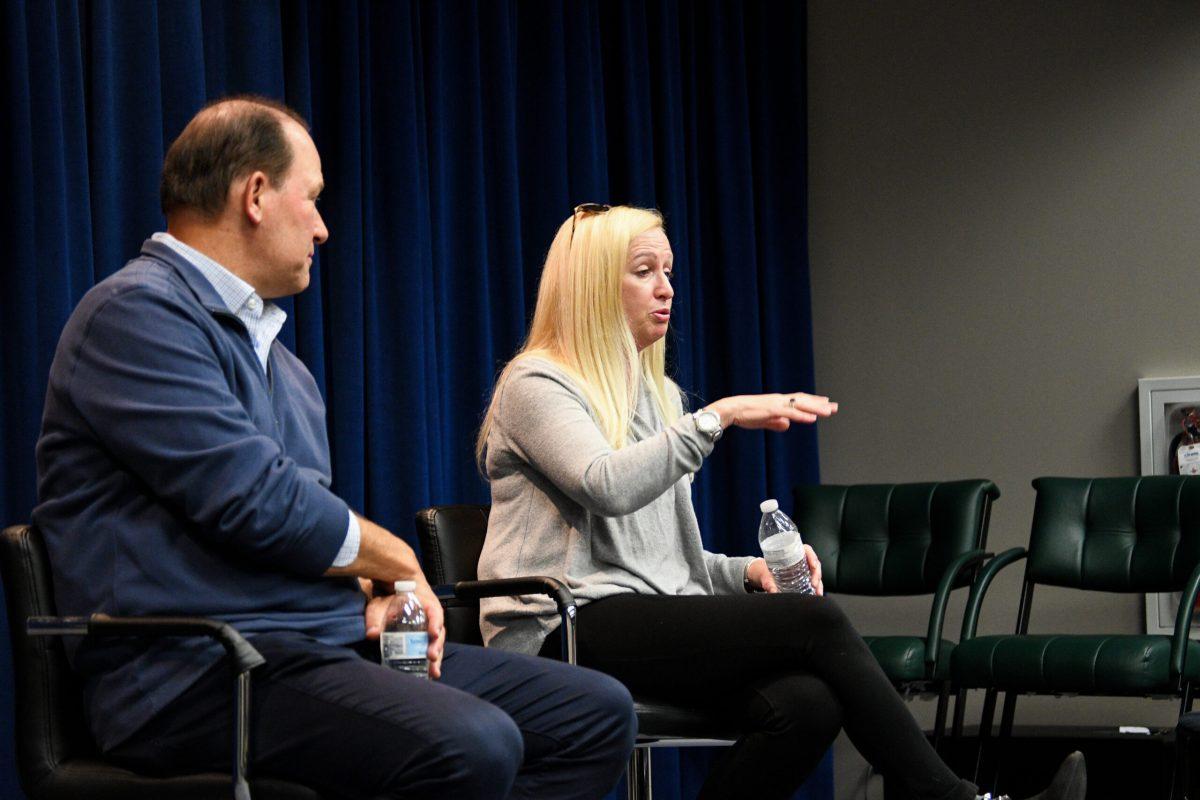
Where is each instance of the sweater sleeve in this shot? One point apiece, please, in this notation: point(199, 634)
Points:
point(727, 573)
point(546, 420)
point(148, 383)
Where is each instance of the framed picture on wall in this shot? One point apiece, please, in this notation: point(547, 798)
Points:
point(1164, 404)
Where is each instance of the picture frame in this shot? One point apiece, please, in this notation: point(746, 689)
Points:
point(1160, 402)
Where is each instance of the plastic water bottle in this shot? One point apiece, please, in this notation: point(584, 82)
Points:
point(784, 552)
point(404, 642)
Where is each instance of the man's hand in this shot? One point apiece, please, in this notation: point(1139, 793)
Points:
point(376, 617)
point(435, 625)
point(383, 556)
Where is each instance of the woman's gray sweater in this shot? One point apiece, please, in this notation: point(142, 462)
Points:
point(567, 505)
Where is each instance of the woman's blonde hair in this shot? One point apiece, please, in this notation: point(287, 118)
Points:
point(579, 323)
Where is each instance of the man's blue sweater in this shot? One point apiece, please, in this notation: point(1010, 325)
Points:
point(175, 477)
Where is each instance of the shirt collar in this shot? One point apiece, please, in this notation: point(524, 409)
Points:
point(234, 291)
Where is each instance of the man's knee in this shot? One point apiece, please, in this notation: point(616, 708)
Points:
point(478, 755)
point(613, 704)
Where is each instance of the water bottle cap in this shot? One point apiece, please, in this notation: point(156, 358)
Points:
point(403, 587)
point(768, 506)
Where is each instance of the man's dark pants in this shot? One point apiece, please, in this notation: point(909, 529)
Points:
point(496, 725)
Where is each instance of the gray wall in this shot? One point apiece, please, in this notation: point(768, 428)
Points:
point(1004, 227)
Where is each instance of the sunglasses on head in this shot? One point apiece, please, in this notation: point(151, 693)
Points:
point(585, 210)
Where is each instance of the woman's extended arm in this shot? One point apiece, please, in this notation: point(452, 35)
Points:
point(546, 420)
point(775, 412)
point(547, 424)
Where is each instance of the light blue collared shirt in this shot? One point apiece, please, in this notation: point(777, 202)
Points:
point(263, 320)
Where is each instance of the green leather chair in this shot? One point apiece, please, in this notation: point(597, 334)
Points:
point(901, 539)
point(1129, 535)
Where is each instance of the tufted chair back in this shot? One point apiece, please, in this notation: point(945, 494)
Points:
point(893, 539)
point(1115, 534)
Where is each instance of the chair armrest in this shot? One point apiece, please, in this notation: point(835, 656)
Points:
point(243, 654)
point(555, 589)
point(979, 588)
point(1183, 624)
point(937, 614)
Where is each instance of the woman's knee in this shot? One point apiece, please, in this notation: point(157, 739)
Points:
point(824, 617)
point(798, 702)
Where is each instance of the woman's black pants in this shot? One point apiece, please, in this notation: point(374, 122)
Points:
point(789, 671)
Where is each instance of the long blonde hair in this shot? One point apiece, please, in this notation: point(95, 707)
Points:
point(579, 323)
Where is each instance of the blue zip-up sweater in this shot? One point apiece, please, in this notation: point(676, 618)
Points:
point(175, 477)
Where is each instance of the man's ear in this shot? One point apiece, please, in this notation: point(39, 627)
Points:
point(251, 200)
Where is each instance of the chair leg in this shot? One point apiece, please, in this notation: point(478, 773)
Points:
point(1180, 765)
point(985, 730)
point(939, 722)
point(960, 710)
point(637, 777)
point(1005, 738)
point(241, 760)
point(1179, 768)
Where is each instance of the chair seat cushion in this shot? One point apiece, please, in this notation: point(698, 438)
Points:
point(660, 719)
point(99, 780)
point(903, 657)
point(1097, 664)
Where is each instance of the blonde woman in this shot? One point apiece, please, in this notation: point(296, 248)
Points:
point(589, 452)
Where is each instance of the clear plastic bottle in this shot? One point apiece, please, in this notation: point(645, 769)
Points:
point(784, 552)
point(404, 643)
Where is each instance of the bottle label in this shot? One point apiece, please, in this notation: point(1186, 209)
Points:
point(404, 645)
point(782, 549)
point(1189, 459)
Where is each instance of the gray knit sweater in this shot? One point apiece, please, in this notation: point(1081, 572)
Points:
point(603, 521)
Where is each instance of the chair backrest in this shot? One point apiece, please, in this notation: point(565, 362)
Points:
point(893, 539)
point(451, 540)
point(50, 726)
point(1115, 534)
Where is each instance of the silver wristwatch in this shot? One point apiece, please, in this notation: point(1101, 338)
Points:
point(709, 423)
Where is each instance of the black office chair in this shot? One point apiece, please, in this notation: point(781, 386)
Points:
point(56, 756)
point(451, 540)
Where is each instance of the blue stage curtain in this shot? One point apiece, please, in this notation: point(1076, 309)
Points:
point(455, 137)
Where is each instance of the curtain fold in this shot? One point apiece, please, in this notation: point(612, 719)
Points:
point(455, 138)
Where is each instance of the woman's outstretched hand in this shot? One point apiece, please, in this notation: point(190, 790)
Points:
point(775, 412)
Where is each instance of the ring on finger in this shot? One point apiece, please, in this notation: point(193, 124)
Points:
point(791, 402)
